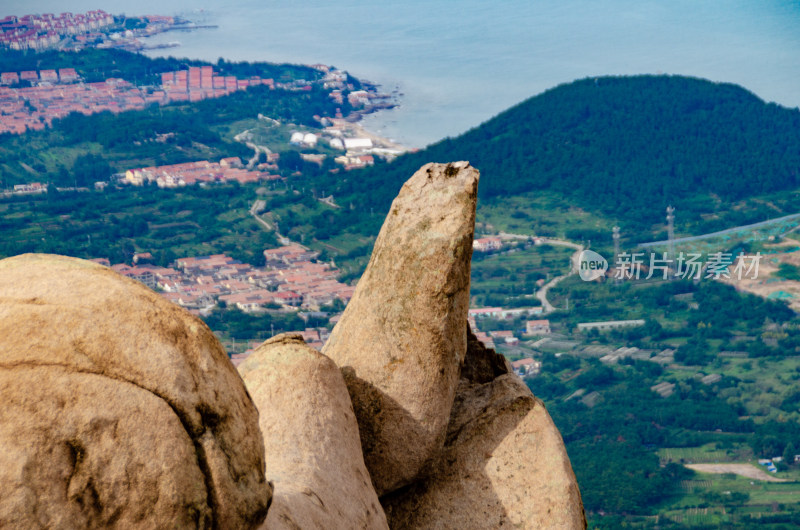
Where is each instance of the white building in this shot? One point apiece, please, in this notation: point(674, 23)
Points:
point(357, 143)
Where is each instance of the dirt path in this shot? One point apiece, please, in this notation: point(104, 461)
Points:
point(745, 470)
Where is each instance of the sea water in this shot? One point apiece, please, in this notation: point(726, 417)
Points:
point(459, 62)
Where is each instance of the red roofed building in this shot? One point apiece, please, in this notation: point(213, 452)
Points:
point(486, 244)
point(526, 366)
point(537, 327)
point(231, 161)
point(67, 75)
point(9, 78)
point(49, 75)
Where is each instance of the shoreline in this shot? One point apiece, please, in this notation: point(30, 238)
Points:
point(357, 130)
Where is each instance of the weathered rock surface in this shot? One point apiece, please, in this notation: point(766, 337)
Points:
point(401, 339)
point(119, 408)
point(311, 438)
point(504, 465)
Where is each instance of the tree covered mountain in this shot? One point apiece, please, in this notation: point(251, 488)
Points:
point(624, 146)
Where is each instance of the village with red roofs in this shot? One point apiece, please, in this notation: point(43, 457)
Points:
point(54, 94)
point(75, 31)
point(39, 32)
point(292, 280)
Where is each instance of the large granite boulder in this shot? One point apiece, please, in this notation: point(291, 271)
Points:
point(119, 408)
point(311, 437)
point(402, 338)
point(504, 463)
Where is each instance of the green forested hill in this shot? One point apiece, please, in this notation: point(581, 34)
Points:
point(624, 146)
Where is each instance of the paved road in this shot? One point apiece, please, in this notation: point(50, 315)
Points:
point(259, 206)
point(723, 232)
point(541, 294)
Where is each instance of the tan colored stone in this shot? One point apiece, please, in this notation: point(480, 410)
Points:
point(401, 339)
point(119, 408)
point(311, 438)
point(504, 465)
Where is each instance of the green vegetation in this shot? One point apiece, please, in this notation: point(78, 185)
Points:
point(508, 279)
point(118, 222)
point(750, 412)
point(570, 163)
point(545, 214)
point(787, 271)
point(170, 134)
point(623, 148)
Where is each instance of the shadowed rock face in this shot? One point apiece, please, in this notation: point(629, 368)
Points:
point(503, 465)
point(482, 364)
point(119, 408)
point(311, 438)
point(401, 339)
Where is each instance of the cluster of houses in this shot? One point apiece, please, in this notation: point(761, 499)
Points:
point(34, 108)
point(495, 243)
point(62, 75)
point(70, 31)
point(540, 327)
point(337, 81)
point(200, 82)
point(33, 187)
point(191, 173)
point(291, 279)
point(55, 93)
point(38, 32)
point(359, 152)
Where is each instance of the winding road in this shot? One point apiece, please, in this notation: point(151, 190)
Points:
point(541, 294)
point(258, 206)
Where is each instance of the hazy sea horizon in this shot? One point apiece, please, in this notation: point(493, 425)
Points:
point(458, 63)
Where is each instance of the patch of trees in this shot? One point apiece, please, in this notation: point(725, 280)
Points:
point(611, 445)
point(114, 223)
point(239, 325)
point(618, 476)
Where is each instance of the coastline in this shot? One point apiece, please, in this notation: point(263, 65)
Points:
point(356, 129)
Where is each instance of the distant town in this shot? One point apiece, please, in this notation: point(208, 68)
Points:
point(55, 94)
point(292, 280)
point(75, 31)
